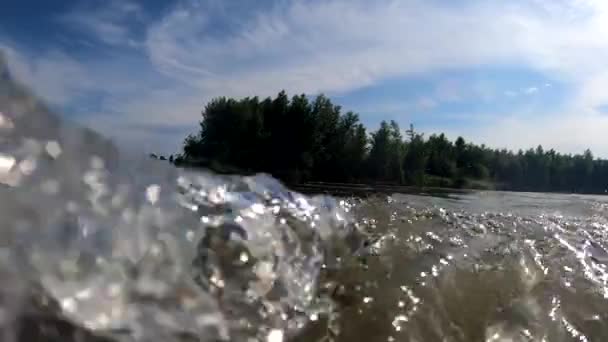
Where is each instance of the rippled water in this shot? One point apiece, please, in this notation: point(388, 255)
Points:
point(98, 247)
point(478, 267)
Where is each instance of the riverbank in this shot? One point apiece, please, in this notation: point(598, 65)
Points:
point(432, 184)
point(365, 190)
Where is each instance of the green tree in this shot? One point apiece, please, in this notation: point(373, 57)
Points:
point(299, 140)
point(441, 156)
point(414, 162)
point(379, 155)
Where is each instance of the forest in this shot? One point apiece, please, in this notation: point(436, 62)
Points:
point(300, 140)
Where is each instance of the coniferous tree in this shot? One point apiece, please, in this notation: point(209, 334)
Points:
point(301, 140)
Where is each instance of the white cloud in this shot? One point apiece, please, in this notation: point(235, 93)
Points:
point(449, 90)
point(426, 103)
point(533, 90)
point(328, 46)
point(340, 45)
point(110, 23)
point(592, 93)
point(569, 132)
point(566, 132)
point(337, 46)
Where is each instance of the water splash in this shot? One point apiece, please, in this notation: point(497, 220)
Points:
point(136, 250)
point(205, 255)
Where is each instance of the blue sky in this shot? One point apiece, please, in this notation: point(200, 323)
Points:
point(505, 73)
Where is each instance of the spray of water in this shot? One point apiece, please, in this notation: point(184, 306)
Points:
point(136, 250)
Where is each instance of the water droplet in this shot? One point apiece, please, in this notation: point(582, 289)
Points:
point(53, 149)
point(5, 122)
point(6, 164)
point(84, 294)
point(244, 257)
point(257, 208)
point(27, 166)
point(69, 305)
point(114, 290)
point(190, 236)
point(97, 163)
point(494, 337)
point(153, 193)
point(275, 335)
point(217, 281)
point(71, 207)
point(50, 187)
point(398, 321)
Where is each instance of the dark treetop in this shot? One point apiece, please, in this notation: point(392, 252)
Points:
point(300, 140)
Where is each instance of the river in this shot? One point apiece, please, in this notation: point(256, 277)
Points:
point(481, 266)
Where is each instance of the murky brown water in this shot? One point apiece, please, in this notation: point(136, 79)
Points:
point(478, 267)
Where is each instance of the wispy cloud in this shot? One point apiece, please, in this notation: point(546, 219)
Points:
point(196, 51)
point(341, 45)
point(531, 90)
point(425, 103)
point(110, 22)
point(567, 132)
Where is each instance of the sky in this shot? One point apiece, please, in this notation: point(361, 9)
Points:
point(510, 74)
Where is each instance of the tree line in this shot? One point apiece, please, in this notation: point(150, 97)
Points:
point(300, 140)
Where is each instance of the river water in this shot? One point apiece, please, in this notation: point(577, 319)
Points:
point(95, 246)
point(482, 266)
point(194, 256)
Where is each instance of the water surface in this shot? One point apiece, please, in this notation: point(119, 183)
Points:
point(480, 266)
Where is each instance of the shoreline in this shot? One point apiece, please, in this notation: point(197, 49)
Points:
point(366, 190)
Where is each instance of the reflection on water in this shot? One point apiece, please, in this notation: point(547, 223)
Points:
point(484, 266)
